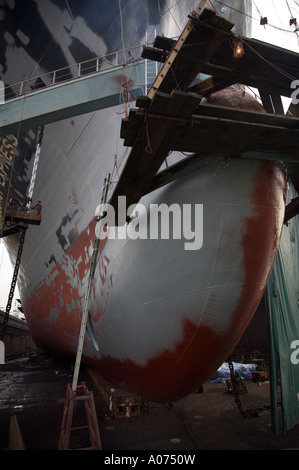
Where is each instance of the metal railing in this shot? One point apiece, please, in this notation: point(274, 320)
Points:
point(71, 72)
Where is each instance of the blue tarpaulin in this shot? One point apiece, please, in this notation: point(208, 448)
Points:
point(243, 370)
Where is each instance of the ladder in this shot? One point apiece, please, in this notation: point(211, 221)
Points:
point(73, 389)
point(89, 288)
point(35, 166)
point(151, 71)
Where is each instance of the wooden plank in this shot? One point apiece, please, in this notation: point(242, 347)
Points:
point(152, 145)
point(276, 60)
point(211, 135)
point(172, 120)
point(266, 100)
point(209, 85)
point(200, 38)
point(277, 103)
point(263, 66)
point(154, 54)
point(215, 136)
point(291, 210)
point(166, 44)
point(203, 50)
point(163, 104)
point(268, 68)
point(271, 102)
point(226, 112)
point(225, 72)
point(130, 126)
point(160, 49)
point(161, 44)
point(170, 124)
point(206, 47)
point(143, 102)
point(205, 136)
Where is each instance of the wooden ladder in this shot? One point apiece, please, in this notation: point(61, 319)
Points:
point(81, 394)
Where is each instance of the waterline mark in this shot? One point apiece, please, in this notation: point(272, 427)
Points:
point(159, 221)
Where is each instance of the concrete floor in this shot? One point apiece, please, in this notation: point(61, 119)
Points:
point(201, 421)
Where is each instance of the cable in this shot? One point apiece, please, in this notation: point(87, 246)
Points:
point(253, 18)
point(212, 6)
point(257, 9)
point(74, 21)
point(289, 8)
point(270, 63)
point(168, 9)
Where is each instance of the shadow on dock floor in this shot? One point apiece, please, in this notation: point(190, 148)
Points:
point(200, 421)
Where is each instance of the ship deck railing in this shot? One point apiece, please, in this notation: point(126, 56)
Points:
point(71, 72)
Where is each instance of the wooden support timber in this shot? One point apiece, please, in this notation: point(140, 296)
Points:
point(180, 122)
point(172, 117)
point(291, 210)
point(81, 394)
point(206, 47)
point(153, 142)
point(200, 39)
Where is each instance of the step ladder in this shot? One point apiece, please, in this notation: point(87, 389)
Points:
point(72, 399)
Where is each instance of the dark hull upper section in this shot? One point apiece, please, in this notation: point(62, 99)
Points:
point(38, 36)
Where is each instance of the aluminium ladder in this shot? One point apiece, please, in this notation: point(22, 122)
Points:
point(71, 395)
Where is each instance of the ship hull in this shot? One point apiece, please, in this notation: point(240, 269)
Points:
point(163, 317)
point(164, 313)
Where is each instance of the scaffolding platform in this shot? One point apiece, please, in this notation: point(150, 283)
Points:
point(29, 217)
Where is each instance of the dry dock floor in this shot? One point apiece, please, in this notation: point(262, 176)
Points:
point(200, 421)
